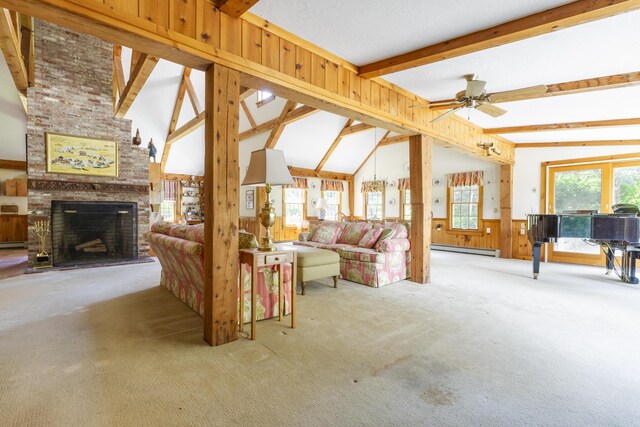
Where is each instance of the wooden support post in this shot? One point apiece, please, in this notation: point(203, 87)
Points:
point(420, 147)
point(221, 189)
point(506, 203)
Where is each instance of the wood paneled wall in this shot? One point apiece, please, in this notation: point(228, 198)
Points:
point(521, 247)
point(471, 240)
point(13, 228)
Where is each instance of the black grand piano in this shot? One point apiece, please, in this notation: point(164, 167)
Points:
point(617, 231)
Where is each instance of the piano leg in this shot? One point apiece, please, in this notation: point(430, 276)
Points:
point(536, 259)
point(609, 260)
point(633, 255)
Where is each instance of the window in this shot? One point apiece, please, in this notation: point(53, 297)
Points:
point(334, 200)
point(168, 210)
point(405, 205)
point(465, 207)
point(374, 205)
point(294, 207)
point(264, 97)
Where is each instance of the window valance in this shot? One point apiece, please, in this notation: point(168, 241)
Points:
point(169, 190)
point(404, 184)
point(329, 185)
point(373, 186)
point(465, 179)
point(302, 183)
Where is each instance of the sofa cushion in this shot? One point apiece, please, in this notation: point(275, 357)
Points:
point(387, 234)
point(370, 238)
point(362, 254)
point(310, 244)
point(353, 232)
point(328, 232)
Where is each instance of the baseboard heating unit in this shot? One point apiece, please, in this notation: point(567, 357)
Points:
point(464, 250)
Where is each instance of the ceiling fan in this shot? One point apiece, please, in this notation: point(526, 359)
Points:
point(475, 96)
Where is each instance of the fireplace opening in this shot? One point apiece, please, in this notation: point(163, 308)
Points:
point(93, 232)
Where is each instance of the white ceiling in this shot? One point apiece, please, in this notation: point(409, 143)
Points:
point(363, 31)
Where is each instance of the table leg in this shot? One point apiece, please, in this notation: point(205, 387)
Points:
point(280, 291)
point(254, 280)
point(294, 281)
point(241, 314)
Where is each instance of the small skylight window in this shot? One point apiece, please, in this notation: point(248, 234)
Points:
point(264, 97)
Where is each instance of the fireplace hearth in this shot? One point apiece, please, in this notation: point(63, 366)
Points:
point(93, 232)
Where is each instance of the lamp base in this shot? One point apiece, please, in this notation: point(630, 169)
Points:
point(267, 219)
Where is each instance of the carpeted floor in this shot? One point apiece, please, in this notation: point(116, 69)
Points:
point(13, 262)
point(484, 344)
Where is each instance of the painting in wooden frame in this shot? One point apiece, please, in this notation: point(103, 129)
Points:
point(79, 155)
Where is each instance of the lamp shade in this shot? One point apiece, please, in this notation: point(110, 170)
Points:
point(267, 166)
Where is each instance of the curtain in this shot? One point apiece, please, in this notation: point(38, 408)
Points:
point(327, 185)
point(169, 190)
point(302, 183)
point(404, 184)
point(372, 186)
point(465, 178)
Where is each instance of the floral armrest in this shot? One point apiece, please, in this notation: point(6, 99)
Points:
point(394, 245)
point(304, 236)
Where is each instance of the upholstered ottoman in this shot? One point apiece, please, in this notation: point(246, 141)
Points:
point(316, 264)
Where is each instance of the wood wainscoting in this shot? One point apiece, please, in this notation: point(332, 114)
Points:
point(279, 232)
point(442, 236)
point(13, 228)
point(521, 247)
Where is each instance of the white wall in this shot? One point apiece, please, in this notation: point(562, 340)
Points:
point(313, 193)
point(392, 163)
point(526, 173)
point(13, 119)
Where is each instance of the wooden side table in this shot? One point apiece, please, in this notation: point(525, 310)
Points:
point(257, 259)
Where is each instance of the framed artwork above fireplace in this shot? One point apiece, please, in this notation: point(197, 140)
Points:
point(78, 155)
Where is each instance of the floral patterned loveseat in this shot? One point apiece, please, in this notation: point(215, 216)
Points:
point(371, 254)
point(180, 250)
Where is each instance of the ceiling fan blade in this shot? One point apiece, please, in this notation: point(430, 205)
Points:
point(419, 105)
point(475, 88)
point(445, 106)
point(514, 95)
point(491, 110)
point(447, 114)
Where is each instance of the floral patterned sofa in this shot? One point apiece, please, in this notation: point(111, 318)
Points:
point(371, 254)
point(180, 250)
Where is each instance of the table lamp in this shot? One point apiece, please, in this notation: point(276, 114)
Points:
point(266, 168)
point(322, 206)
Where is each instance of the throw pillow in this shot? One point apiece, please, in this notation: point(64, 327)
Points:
point(387, 234)
point(247, 241)
point(327, 233)
point(353, 233)
point(370, 238)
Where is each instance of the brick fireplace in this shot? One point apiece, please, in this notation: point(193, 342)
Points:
point(72, 95)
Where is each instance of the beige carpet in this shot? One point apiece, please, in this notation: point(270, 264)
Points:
point(483, 345)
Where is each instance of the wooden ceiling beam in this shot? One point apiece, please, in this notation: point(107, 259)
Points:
point(280, 124)
point(333, 146)
point(611, 142)
point(394, 140)
point(563, 126)
point(246, 92)
point(384, 137)
point(567, 88)
point(352, 130)
point(193, 96)
point(575, 13)
point(310, 173)
point(118, 68)
point(143, 69)
point(235, 8)
point(175, 116)
point(189, 127)
point(10, 47)
point(247, 113)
